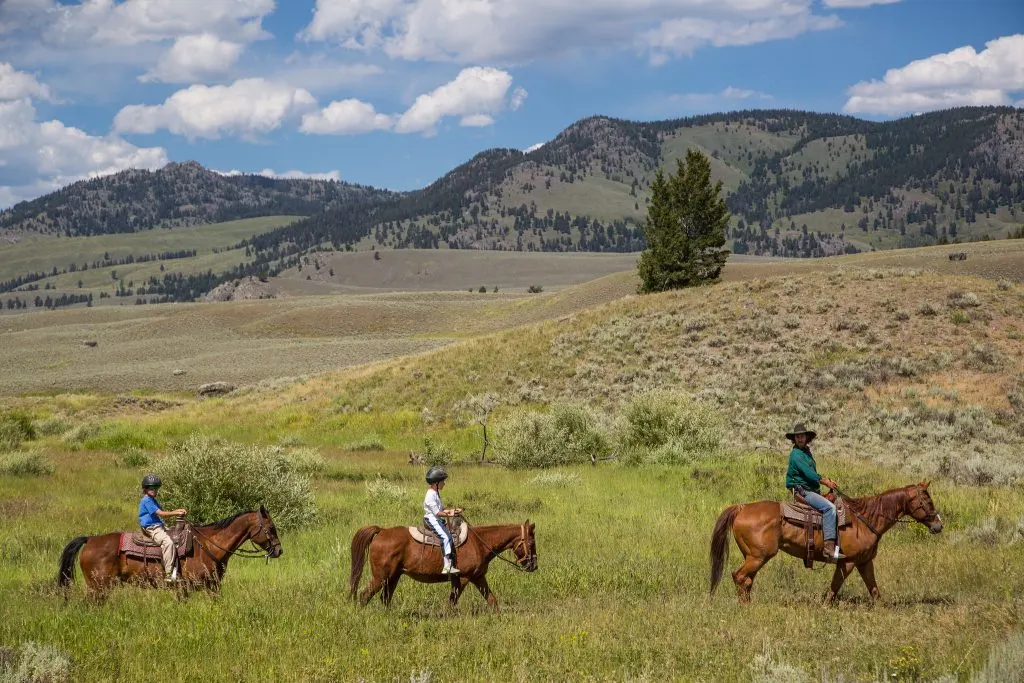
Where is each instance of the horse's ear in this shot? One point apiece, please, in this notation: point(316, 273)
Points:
point(926, 484)
point(263, 510)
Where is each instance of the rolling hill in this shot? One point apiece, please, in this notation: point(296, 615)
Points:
point(799, 184)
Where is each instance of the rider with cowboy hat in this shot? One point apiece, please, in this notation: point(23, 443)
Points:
point(151, 519)
point(802, 478)
point(433, 509)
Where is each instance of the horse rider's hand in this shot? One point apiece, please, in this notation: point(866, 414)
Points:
point(181, 512)
point(828, 482)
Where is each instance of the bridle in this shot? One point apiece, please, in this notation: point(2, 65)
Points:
point(246, 553)
point(522, 540)
point(918, 504)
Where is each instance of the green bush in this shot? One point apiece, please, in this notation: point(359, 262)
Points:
point(668, 428)
point(15, 428)
point(568, 434)
point(54, 425)
point(25, 465)
point(132, 458)
point(307, 461)
point(76, 438)
point(215, 478)
point(436, 453)
point(34, 663)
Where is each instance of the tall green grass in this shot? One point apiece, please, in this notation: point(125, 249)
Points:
point(621, 593)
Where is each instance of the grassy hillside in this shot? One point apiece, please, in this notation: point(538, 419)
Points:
point(906, 372)
point(99, 265)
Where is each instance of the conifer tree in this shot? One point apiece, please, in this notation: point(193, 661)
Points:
point(685, 228)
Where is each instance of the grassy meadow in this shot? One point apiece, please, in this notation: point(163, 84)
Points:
point(906, 369)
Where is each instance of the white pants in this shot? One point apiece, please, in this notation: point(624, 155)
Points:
point(441, 530)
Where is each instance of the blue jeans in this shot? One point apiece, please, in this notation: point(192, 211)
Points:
point(823, 505)
point(438, 527)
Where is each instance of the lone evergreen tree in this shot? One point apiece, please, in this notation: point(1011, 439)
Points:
point(685, 228)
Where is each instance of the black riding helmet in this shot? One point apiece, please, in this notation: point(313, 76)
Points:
point(436, 474)
point(150, 481)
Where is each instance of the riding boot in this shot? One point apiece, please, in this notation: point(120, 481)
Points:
point(449, 568)
point(832, 552)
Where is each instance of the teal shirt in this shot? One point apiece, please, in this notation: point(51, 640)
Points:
point(802, 471)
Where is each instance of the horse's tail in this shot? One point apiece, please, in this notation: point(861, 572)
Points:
point(360, 546)
point(67, 561)
point(720, 543)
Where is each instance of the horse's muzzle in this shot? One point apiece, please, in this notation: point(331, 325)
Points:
point(935, 527)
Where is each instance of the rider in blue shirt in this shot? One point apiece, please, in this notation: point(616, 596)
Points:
point(151, 519)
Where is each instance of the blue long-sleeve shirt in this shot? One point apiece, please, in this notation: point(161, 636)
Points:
point(803, 471)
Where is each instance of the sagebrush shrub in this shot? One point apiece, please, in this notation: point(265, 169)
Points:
point(15, 428)
point(25, 465)
point(380, 489)
point(54, 425)
point(214, 478)
point(668, 427)
point(35, 663)
point(570, 433)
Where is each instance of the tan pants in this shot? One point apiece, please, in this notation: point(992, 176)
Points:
point(159, 534)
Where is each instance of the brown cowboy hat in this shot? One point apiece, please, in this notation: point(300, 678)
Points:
point(799, 428)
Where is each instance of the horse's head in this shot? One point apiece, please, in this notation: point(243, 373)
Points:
point(525, 548)
point(265, 535)
point(921, 508)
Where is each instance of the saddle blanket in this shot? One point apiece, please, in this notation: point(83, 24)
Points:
point(421, 534)
point(138, 545)
point(799, 512)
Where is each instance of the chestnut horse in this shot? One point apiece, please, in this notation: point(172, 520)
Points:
point(104, 566)
point(761, 532)
point(393, 552)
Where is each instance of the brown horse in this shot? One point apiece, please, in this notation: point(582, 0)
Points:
point(761, 532)
point(104, 566)
point(393, 552)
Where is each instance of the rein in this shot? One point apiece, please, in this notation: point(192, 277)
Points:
point(522, 539)
point(857, 514)
point(245, 553)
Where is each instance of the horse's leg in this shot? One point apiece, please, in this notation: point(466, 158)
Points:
point(744, 576)
point(458, 585)
point(843, 570)
point(867, 572)
point(381, 570)
point(485, 590)
point(389, 588)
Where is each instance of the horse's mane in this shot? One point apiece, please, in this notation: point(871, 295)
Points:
point(228, 520)
point(887, 502)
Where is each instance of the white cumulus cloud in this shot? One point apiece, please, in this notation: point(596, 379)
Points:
point(503, 31)
point(345, 117)
point(138, 21)
point(193, 58)
point(960, 77)
point(475, 96)
point(40, 157)
point(477, 92)
point(15, 85)
point(246, 108)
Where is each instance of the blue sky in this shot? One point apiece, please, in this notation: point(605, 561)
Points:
point(394, 93)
